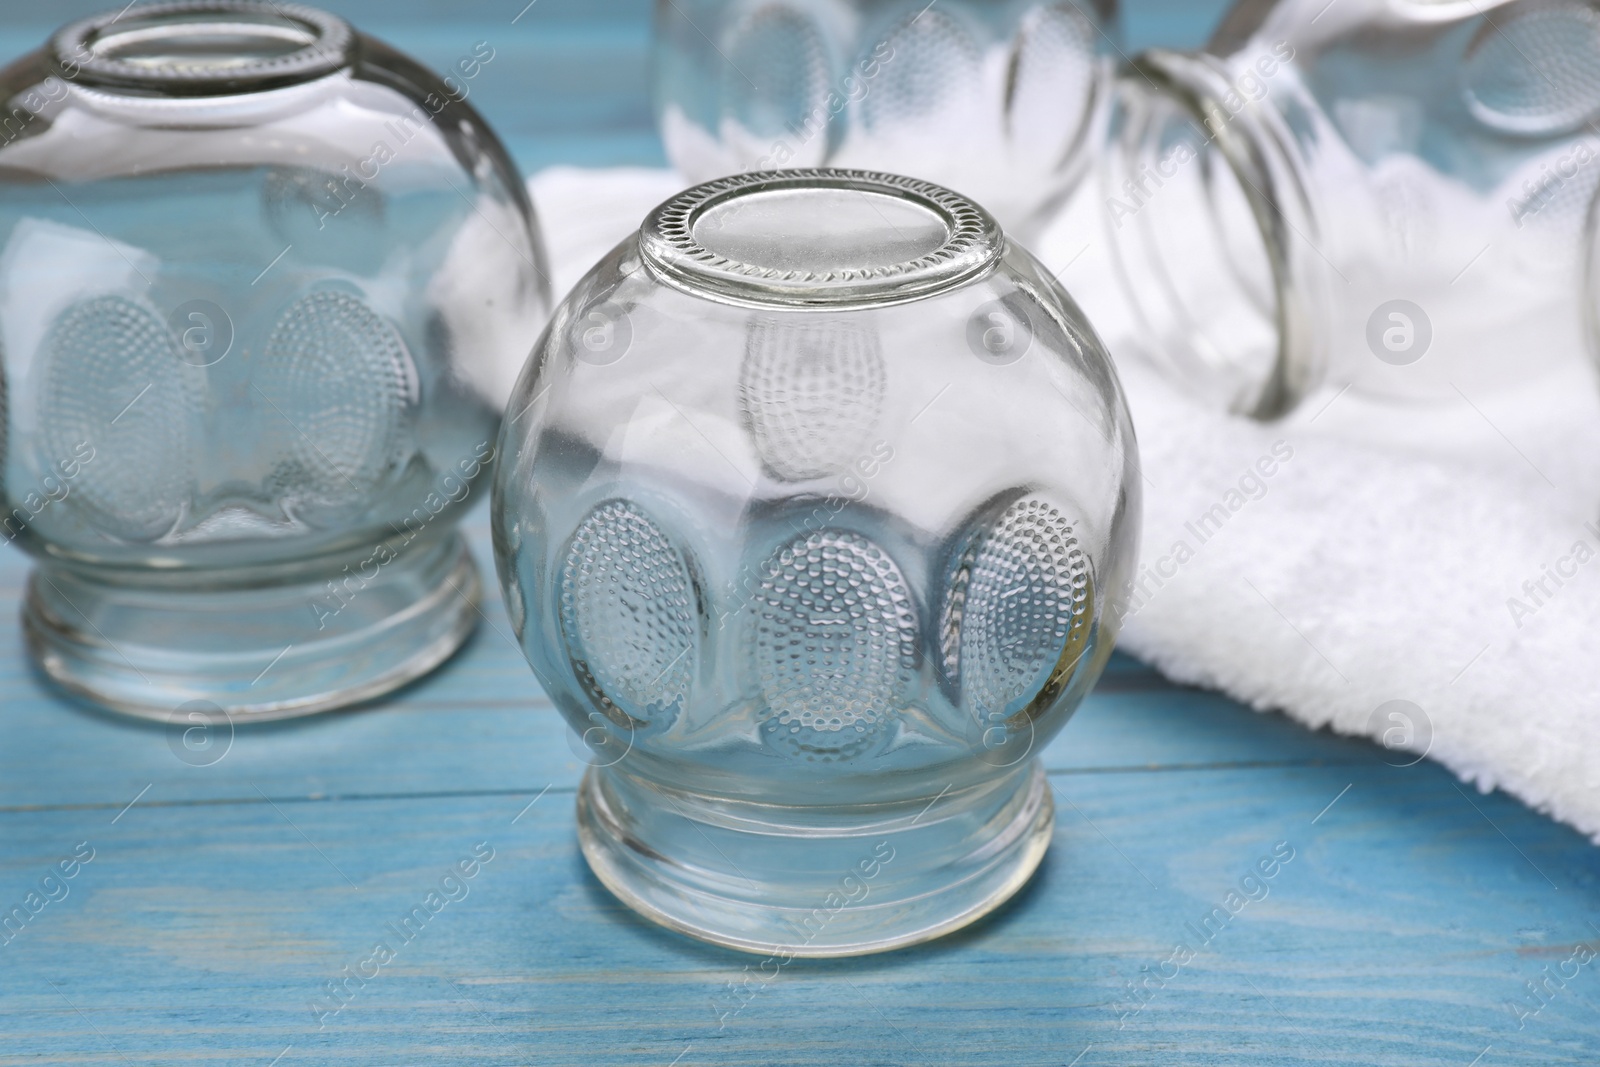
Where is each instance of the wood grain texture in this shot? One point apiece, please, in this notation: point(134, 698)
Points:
point(219, 904)
point(221, 900)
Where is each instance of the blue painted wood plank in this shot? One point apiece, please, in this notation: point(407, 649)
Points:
point(1170, 23)
point(219, 902)
point(1399, 932)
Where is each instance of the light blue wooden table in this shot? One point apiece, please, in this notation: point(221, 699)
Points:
point(221, 901)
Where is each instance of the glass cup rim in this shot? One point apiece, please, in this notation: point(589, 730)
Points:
point(325, 41)
point(973, 245)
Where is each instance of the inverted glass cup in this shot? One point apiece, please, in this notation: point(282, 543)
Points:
point(263, 284)
point(814, 519)
point(999, 99)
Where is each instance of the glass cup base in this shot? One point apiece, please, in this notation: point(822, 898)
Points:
point(804, 882)
point(260, 653)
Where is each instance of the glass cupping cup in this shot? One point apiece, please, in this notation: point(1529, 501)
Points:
point(264, 284)
point(1000, 99)
point(1389, 196)
point(814, 516)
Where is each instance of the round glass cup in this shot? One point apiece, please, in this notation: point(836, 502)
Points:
point(815, 517)
point(1390, 197)
point(264, 284)
point(999, 99)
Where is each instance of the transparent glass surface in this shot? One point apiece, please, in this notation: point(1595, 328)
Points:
point(1387, 195)
point(263, 286)
point(994, 98)
point(815, 509)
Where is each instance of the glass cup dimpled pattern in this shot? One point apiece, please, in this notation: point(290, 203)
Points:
point(995, 98)
point(814, 519)
point(1387, 195)
point(263, 286)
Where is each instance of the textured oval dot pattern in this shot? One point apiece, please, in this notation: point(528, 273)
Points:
point(343, 387)
point(1051, 81)
point(1018, 608)
point(812, 393)
point(1536, 71)
point(835, 645)
point(112, 378)
point(1562, 202)
point(782, 52)
point(628, 613)
point(934, 73)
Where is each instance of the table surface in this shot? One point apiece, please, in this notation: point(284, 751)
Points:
point(221, 900)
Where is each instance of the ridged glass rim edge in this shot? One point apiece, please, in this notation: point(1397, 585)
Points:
point(974, 246)
point(329, 50)
point(1281, 206)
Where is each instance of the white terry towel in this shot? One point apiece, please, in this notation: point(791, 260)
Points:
point(1331, 564)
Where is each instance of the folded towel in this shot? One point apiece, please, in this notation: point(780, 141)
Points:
point(1425, 576)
